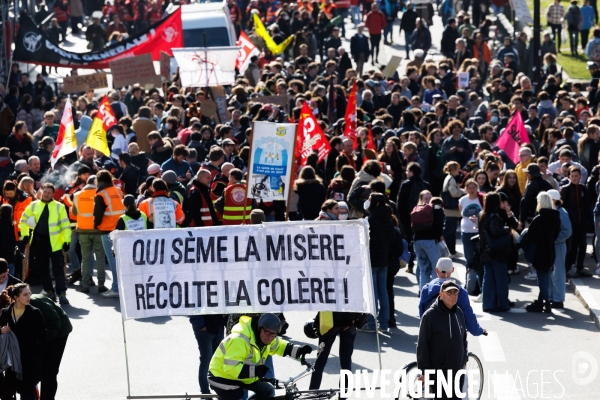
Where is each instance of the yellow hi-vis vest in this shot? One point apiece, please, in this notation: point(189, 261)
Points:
point(239, 349)
point(59, 226)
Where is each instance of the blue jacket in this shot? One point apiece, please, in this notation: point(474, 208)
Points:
point(179, 169)
point(565, 226)
point(432, 290)
point(587, 13)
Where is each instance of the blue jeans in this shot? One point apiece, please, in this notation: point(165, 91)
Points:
point(72, 253)
point(468, 246)
point(408, 39)
point(495, 285)
point(382, 303)
point(427, 253)
point(355, 14)
point(450, 225)
point(107, 244)
point(207, 344)
point(545, 283)
point(387, 31)
point(559, 275)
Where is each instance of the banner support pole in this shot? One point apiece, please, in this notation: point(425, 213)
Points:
point(292, 177)
point(247, 172)
point(126, 360)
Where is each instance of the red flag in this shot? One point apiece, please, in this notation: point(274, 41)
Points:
point(513, 136)
point(370, 141)
point(350, 117)
point(247, 50)
point(310, 137)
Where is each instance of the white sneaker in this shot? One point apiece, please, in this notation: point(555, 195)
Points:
point(110, 294)
point(479, 299)
point(532, 276)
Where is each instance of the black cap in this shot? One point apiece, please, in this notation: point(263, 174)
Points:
point(128, 200)
point(84, 169)
point(108, 164)
point(532, 169)
point(449, 285)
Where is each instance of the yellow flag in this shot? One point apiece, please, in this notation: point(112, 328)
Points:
point(271, 45)
point(103, 120)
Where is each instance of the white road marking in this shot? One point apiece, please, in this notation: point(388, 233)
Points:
point(491, 348)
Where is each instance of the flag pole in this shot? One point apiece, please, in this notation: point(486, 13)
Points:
point(248, 172)
point(293, 175)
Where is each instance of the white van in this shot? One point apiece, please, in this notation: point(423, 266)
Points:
point(211, 18)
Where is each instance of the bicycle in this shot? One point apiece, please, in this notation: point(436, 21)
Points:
point(291, 390)
point(414, 385)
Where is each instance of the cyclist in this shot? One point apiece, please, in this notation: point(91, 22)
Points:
point(238, 363)
point(431, 291)
point(442, 342)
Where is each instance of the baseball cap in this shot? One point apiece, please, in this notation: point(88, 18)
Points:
point(532, 169)
point(170, 177)
point(449, 285)
point(128, 200)
point(153, 169)
point(592, 64)
point(554, 194)
point(444, 265)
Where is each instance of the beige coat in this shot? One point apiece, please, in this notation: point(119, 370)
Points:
point(142, 127)
point(76, 8)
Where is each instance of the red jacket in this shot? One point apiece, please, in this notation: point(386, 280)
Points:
point(375, 22)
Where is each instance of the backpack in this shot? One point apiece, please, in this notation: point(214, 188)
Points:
point(421, 218)
point(595, 51)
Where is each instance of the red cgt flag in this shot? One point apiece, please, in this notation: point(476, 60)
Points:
point(310, 137)
point(350, 117)
point(513, 137)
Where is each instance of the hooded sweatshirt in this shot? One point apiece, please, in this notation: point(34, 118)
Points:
point(442, 342)
point(85, 124)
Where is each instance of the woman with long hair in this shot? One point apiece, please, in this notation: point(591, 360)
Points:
point(452, 192)
point(469, 207)
point(27, 185)
point(482, 180)
point(539, 239)
point(19, 142)
point(588, 148)
point(208, 137)
point(545, 124)
point(44, 152)
point(339, 186)
point(391, 157)
point(27, 323)
point(330, 211)
point(38, 109)
point(510, 187)
point(24, 111)
point(495, 243)
point(311, 193)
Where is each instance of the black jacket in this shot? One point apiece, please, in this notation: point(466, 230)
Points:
point(381, 234)
point(57, 321)
point(442, 342)
point(404, 201)
point(214, 323)
point(31, 334)
point(130, 179)
point(529, 200)
point(359, 45)
point(576, 202)
point(196, 191)
point(7, 243)
point(311, 195)
point(543, 231)
point(448, 44)
point(492, 225)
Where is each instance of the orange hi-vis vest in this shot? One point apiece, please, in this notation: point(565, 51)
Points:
point(237, 208)
point(83, 201)
point(67, 200)
point(329, 10)
point(112, 198)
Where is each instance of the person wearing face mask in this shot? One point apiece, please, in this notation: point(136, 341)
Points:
point(344, 211)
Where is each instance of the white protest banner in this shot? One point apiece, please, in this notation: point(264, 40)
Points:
point(270, 170)
point(463, 80)
point(275, 267)
point(206, 67)
point(522, 12)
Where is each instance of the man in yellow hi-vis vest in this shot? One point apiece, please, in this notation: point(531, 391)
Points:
point(238, 363)
point(45, 224)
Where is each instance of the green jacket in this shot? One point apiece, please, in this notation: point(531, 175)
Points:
point(57, 321)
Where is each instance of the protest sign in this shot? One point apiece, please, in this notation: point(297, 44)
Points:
point(81, 83)
point(165, 65)
point(276, 267)
point(522, 12)
point(208, 108)
point(206, 67)
point(463, 80)
point(132, 70)
point(219, 95)
point(270, 169)
point(391, 67)
point(281, 101)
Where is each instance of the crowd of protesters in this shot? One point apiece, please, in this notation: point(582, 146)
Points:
point(426, 167)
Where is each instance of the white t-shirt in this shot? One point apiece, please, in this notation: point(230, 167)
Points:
point(469, 207)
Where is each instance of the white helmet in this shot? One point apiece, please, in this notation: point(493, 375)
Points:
point(31, 222)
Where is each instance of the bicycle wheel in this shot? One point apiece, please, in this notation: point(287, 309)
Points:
point(475, 368)
point(413, 385)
